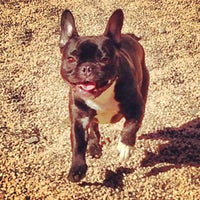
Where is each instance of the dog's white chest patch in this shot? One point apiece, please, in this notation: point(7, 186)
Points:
point(105, 105)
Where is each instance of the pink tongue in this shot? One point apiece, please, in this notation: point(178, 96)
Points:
point(87, 86)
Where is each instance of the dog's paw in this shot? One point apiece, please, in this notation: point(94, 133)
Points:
point(76, 173)
point(124, 150)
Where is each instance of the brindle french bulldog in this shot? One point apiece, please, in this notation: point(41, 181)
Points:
point(108, 81)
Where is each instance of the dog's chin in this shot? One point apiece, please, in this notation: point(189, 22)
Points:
point(91, 89)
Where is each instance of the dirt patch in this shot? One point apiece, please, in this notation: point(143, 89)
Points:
point(34, 124)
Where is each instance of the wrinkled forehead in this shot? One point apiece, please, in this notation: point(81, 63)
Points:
point(92, 46)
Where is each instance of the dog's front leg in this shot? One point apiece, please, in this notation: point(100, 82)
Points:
point(79, 144)
point(80, 116)
point(127, 139)
point(133, 121)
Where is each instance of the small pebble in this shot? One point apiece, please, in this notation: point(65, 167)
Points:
point(32, 140)
point(194, 111)
point(162, 30)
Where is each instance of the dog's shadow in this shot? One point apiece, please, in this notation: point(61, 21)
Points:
point(112, 179)
point(182, 147)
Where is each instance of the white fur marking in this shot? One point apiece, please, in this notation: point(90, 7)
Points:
point(124, 150)
point(105, 105)
point(91, 103)
point(85, 122)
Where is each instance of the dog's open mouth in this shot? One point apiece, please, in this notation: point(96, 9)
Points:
point(92, 88)
point(88, 86)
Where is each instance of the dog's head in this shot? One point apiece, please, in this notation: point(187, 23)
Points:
point(89, 64)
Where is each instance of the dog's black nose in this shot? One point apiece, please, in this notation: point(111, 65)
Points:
point(86, 69)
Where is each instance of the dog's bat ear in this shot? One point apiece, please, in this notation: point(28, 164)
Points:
point(68, 28)
point(114, 26)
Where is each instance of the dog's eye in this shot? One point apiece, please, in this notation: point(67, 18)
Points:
point(105, 59)
point(71, 59)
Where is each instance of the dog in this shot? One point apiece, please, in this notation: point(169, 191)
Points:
point(108, 81)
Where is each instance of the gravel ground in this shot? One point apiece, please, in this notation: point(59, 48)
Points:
point(35, 151)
